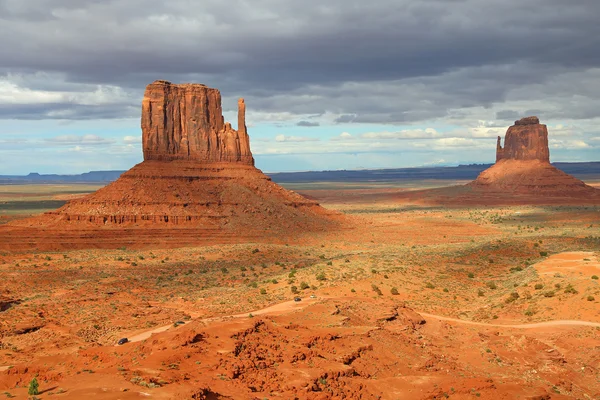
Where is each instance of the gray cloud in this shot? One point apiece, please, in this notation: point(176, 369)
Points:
point(307, 124)
point(392, 61)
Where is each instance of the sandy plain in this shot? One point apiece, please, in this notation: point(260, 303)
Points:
point(411, 301)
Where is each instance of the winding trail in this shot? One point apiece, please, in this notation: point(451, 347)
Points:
point(545, 324)
point(274, 309)
point(292, 305)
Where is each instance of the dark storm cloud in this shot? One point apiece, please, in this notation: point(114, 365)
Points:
point(384, 61)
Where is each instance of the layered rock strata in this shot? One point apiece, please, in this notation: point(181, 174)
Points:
point(185, 122)
point(527, 139)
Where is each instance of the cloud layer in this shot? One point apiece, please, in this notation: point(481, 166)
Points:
point(447, 71)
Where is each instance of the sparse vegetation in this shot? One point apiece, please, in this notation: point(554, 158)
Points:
point(33, 388)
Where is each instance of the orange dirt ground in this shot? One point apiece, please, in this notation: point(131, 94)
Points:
point(410, 302)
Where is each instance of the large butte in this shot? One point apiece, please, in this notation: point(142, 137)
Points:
point(197, 183)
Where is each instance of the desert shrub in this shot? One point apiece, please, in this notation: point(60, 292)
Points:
point(275, 281)
point(590, 298)
point(446, 290)
point(595, 277)
point(538, 286)
point(294, 289)
point(376, 289)
point(529, 313)
point(263, 291)
point(304, 285)
point(430, 285)
point(480, 293)
point(255, 251)
point(516, 269)
point(353, 290)
point(394, 291)
point(321, 276)
point(513, 296)
point(329, 262)
point(492, 285)
point(549, 293)
point(34, 388)
point(571, 289)
point(471, 275)
point(543, 253)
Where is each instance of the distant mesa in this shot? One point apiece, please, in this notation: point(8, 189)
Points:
point(198, 176)
point(523, 166)
point(522, 174)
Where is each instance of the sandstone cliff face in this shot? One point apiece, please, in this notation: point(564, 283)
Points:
point(527, 139)
point(185, 122)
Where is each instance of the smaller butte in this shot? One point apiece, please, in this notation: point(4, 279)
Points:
point(521, 175)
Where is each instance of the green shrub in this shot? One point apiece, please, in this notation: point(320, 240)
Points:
point(590, 298)
point(34, 388)
point(321, 276)
point(304, 285)
point(538, 286)
point(595, 277)
point(543, 253)
point(263, 291)
point(549, 294)
point(471, 275)
point(430, 285)
point(294, 289)
point(571, 289)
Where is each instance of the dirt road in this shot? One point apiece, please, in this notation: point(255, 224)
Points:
point(292, 305)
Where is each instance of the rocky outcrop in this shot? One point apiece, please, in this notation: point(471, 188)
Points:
point(185, 122)
point(527, 139)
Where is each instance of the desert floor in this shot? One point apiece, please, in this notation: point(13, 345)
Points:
point(407, 301)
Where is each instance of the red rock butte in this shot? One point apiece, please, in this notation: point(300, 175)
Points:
point(522, 174)
point(197, 184)
point(523, 166)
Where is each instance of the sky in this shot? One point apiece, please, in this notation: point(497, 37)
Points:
point(337, 84)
